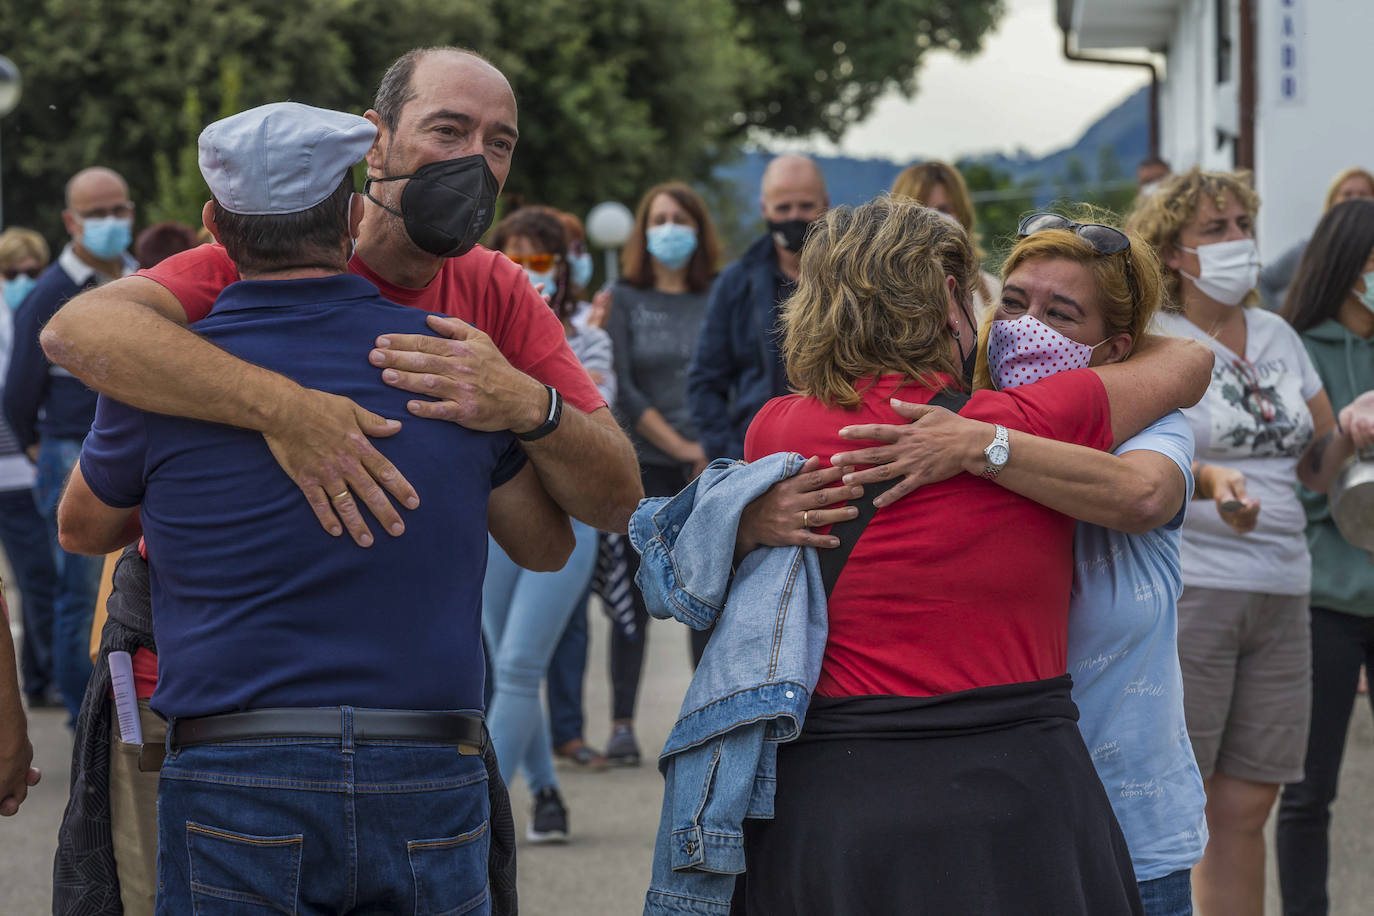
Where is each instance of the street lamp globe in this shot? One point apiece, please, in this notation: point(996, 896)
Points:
point(609, 224)
point(10, 86)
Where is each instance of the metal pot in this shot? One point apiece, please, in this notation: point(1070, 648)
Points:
point(1352, 501)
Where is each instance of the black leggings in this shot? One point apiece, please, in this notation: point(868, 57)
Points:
point(1341, 643)
point(627, 654)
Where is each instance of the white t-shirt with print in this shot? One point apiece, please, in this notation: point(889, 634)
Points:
point(1231, 430)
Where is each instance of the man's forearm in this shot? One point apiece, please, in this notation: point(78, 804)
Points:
point(588, 466)
point(131, 352)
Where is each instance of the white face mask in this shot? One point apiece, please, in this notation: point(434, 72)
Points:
point(1025, 350)
point(1227, 270)
point(1150, 187)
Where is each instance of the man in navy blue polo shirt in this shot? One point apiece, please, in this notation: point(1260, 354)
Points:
point(315, 692)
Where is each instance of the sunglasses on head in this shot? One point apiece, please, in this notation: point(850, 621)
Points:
point(30, 272)
point(1103, 239)
point(535, 262)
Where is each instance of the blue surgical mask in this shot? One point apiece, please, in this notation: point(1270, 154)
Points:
point(672, 244)
point(549, 278)
point(1367, 297)
point(106, 237)
point(581, 269)
point(17, 289)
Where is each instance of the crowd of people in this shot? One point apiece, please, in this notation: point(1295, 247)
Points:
point(1005, 594)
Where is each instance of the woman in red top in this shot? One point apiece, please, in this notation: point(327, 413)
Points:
point(940, 769)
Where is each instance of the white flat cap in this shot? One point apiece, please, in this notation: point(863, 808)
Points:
point(281, 158)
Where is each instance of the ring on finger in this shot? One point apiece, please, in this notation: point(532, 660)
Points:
point(338, 496)
point(806, 518)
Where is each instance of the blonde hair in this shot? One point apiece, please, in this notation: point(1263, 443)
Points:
point(871, 298)
point(17, 244)
point(1129, 285)
point(1159, 217)
point(1341, 179)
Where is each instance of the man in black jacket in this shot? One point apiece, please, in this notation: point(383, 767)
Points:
point(737, 367)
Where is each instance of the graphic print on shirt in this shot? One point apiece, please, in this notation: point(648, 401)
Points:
point(1262, 412)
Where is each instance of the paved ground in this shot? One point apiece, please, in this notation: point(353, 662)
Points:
point(614, 814)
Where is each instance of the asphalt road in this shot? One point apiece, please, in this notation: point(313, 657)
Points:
point(614, 814)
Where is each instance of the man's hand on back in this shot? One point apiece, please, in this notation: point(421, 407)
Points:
point(471, 383)
point(321, 441)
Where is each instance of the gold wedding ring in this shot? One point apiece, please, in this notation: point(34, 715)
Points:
point(339, 496)
point(806, 518)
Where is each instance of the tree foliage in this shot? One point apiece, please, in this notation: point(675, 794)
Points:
point(614, 95)
point(832, 59)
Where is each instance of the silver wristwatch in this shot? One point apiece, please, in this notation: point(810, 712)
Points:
point(997, 453)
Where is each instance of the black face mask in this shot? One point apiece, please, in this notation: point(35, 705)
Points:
point(790, 233)
point(447, 206)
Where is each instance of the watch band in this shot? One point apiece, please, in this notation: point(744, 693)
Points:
point(1000, 441)
point(550, 421)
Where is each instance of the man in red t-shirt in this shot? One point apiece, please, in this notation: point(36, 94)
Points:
point(507, 350)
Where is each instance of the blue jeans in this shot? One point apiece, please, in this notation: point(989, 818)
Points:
point(567, 671)
point(523, 616)
point(78, 578)
point(1171, 895)
point(316, 826)
point(25, 537)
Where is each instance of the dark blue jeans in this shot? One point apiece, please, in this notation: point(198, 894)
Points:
point(1171, 895)
point(25, 537)
point(314, 826)
point(78, 578)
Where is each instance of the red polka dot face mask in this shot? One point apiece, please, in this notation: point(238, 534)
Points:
point(1025, 350)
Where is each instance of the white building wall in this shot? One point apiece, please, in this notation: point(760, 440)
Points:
point(1303, 142)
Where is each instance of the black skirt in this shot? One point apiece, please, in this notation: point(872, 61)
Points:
point(978, 802)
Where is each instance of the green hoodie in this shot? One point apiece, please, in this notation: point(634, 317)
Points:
point(1342, 575)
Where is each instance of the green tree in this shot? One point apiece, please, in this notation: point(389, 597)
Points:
point(614, 95)
point(106, 81)
point(832, 59)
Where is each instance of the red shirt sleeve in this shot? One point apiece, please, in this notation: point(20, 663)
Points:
point(195, 277)
point(1070, 407)
point(529, 334)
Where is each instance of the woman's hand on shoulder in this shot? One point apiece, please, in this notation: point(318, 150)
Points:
point(936, 445)
point(785, 514)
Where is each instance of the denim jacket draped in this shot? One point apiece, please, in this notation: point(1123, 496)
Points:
point(753, 685)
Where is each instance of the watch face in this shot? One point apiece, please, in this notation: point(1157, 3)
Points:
point(997, 454)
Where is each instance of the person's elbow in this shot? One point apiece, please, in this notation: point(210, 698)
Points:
point(78, 532)
point(1147, 509)
point(547, 553)
point(1195, 371)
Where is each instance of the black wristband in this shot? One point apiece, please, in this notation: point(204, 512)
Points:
point(550, 422)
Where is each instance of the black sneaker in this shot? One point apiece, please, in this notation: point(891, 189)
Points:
point(621, 747)
point(549, 820)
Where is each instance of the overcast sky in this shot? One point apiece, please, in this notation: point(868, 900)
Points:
point(1018, 91)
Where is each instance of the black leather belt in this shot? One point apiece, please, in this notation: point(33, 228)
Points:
point(466, 731)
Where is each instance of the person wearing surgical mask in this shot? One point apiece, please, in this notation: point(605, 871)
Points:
point(23, 255)
point(1331, 306)
point(50, 411)
point(1083, 295)
point(656, 312)
point(1244, 638)
point(525, 613)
